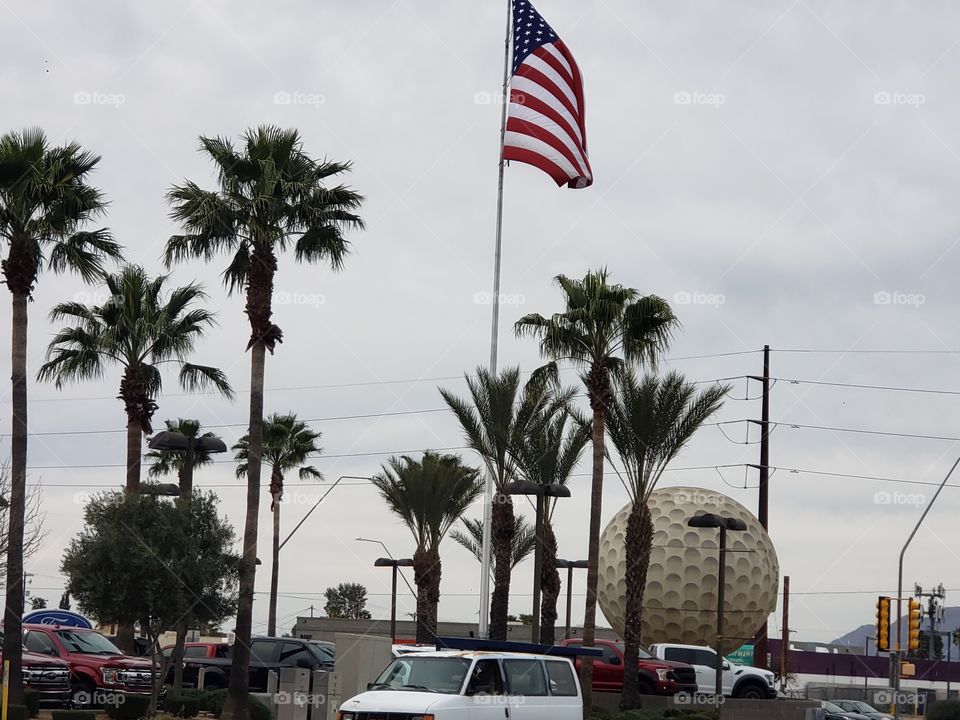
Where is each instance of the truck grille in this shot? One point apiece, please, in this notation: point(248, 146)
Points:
point(56, 678)
point(684, 676)
point(385, 716)
point(135, 678)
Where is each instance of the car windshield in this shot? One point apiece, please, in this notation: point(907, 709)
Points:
point(430, 674)
point(830, 707)
point(87, 642)
point(863, 707)
point(321, 652)
point(641, 650)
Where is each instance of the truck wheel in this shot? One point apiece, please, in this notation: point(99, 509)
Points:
point(750, 691)
point(82, 694)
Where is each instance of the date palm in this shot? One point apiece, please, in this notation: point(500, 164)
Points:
point(46, 202)
point(471, 539)
point(650, 420)
point(172, 462)
point(272, 197)
point(429, 495)
point(602, 329)
point(547, 456)
point(287, 445)
point(494, 422)
point(141, 328)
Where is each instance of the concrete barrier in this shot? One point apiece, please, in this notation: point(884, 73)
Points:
point(733, 708)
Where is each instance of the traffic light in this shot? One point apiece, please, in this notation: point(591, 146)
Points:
point(883, 624)
point(914, 616)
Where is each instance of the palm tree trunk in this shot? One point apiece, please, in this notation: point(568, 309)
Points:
point(598, 387)
point(638, 545)
point(549, 585)
point(501, 539)
point(134, 449)
point(426, 575)
point(235, 707)
point(13, 610)
point(185, 476)
point(274, 571)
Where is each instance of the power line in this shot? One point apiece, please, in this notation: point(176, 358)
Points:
point(893, 388)
point(865, 351)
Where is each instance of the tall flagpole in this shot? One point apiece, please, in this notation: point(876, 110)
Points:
point(494, 333)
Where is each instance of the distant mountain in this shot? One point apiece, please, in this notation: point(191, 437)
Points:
point(858, 636)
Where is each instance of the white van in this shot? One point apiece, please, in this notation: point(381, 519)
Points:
point(471, 685)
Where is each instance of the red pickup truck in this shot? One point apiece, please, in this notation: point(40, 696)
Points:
point(48, 676)
point(97, 668)
point(657, 677)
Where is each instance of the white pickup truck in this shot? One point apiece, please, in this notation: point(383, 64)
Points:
point(470, 685)
point(740, 681)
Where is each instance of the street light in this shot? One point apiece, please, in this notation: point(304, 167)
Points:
point(173, 440)
point(393, 563)
point(526, 487)
point(390, 555)
point(160, 489)
point(723, 523)
point(570, 565)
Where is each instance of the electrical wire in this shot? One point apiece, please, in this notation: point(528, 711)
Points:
point(891, 388)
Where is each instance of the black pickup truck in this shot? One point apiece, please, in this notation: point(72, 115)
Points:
point(266, 654)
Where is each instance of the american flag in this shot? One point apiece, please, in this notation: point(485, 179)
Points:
point(545, 117)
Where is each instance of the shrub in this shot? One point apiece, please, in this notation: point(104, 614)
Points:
point(212, 701)
point(17, 712)
point(31, 698)
point(73, 715)
point(944, 710)
point(184, 706)
point(129, 706)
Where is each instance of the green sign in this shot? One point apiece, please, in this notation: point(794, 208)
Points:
point(743, 655)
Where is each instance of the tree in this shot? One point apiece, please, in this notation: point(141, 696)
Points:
point(45, 204)
point(65, 601)
point(170, 462)
point(287, 443)
point(494, 423)
point(173, 462)
point(139, 328)
point(650, 420)
point(602, 329)
point(471, 539)
point(144, 559)
point(347, 600)
point(33, 520)
point(429, 496)
point(271, 196)
point(38, 603)
point(547, 456)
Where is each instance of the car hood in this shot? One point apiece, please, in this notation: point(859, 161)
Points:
point(122, 661)
point(406, 701)
point(657, 662)
point(36, 659)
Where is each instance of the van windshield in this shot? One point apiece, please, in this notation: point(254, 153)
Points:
point(426, 674)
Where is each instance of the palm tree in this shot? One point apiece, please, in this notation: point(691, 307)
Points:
point(494, 425)
point(602, 329)
point(429, 496)
point(139, 328)
point(172, 462)
point(650, 420)
point(271, 196)
point(287, 443)
point(548, 456)
point(45, 202)
point(471, 539)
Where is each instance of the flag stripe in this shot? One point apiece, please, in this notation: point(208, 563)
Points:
point(556, 72)
point(529, 150)
point(535, 76)
point(540, 98)
point(525, 119)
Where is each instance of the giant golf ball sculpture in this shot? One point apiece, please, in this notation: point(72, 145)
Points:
point(680, 600)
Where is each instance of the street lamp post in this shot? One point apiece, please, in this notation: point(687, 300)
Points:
point(570, 565)
point(173, 440)
point(724, 524)
point(525, 487)
point(394, 564)
point(390, 555)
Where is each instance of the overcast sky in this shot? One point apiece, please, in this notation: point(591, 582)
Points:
point(786, 173)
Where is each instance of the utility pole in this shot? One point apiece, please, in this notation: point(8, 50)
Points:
point(785, 644)
point(760, 640)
